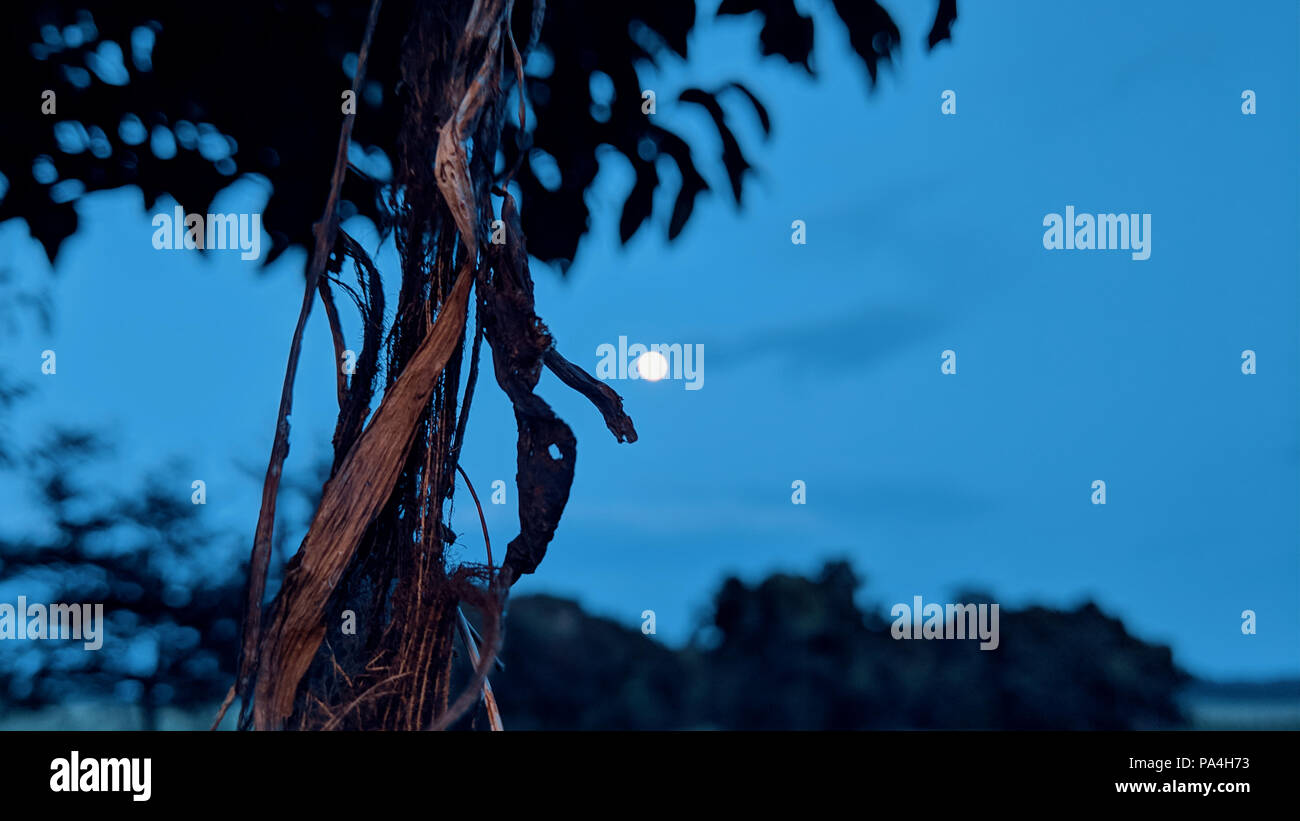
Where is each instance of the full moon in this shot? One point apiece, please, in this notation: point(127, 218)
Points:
point(652, 366)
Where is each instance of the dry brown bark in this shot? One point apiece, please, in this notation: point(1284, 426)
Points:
point(351, 500)
point(376, 542)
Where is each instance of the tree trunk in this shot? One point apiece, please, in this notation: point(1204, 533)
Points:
point(376, 546)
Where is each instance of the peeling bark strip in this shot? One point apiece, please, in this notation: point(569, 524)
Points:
point(606, 400)
point(370, 304)
point(486, 19)
point(520, 342)
point(471, 648)
point(260, 560)
point(351, 500)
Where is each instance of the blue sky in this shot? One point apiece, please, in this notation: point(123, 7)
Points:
point(822, 360)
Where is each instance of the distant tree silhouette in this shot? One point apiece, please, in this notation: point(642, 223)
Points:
point(171, 584)
point(170, 605)
point(827, 665)
point(797, 653)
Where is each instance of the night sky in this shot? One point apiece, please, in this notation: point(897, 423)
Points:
point(822, 361)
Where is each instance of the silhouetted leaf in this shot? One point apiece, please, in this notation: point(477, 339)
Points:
point(732, 157)
point(943, 20)
point(785, 31)
point(692, 182)
point(872, 32)
point(637, 207)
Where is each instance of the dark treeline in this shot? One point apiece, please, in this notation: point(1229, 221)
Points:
point(799, 653)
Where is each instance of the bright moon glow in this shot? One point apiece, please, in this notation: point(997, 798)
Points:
point(652, 366)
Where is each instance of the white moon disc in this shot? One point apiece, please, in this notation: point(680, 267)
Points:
point(652, 366)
